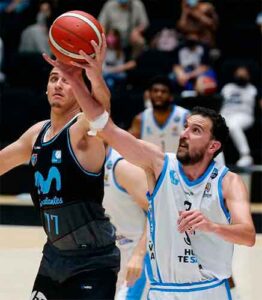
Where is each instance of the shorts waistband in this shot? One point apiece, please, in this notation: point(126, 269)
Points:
point(186, 287)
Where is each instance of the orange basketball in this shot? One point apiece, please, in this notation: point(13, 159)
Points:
point(71, 32)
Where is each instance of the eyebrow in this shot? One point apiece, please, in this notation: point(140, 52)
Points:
point(53, 73)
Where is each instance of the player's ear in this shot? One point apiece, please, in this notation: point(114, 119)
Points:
point(214, 146)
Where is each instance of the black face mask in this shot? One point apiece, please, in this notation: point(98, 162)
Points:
point(241, 81)
point(191, 43)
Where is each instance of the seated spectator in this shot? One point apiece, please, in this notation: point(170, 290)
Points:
point(115, 66)
point(157, 59)
point(129, 17)
point(190, 63)
point(238, 110)
point(199, 18)
point(34, 38)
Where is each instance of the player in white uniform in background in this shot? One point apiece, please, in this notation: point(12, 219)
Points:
point(126, 203)
point(162, 123)
point(197, 209)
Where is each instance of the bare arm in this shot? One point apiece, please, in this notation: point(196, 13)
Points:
point(135, 128)
point(136, 262)
point(20, 151)
point(241, 231)
point(133, 180)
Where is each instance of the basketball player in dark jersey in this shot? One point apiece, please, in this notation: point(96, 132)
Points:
point(80, 259)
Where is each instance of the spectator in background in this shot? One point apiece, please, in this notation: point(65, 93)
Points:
point(115, 66)
point(34, 38)
point(129, 17)
point(199, 18)
point(259, 21)
point(10, 6)
point(190, 64)
point(238, 110)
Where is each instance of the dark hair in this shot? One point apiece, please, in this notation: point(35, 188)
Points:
point(161, 80)
point(219, 130)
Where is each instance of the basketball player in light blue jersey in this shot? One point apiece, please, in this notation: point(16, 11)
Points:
point(198, 209)
point(126, 203)
point(162, 123)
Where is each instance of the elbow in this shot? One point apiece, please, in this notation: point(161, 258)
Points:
point(251, 240)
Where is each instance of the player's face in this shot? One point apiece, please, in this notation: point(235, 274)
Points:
point(160, 96)
point(59, 91)
point(195, 141)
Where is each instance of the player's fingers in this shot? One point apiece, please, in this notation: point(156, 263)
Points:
point(183, 224)
point(76, 64)
point(96, 48)
point(49, 60)
point(104, 46)
point(87, 57)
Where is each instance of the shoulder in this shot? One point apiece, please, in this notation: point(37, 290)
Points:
point(253, 89)
point(30, 136)
point(231, 181)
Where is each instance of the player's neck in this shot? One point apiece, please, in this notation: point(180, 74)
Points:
point(58, 120)
point(161, 116)
point(196, 170)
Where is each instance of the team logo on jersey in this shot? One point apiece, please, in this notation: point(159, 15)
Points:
point(106, 183)
point(207, 190)
point(174, 178)
point(214, 173)
point(33, 159)
point(36, 295)
point(149, 130)
point(56, 157)
point(109, 165)
point(174, 130)
point(177, 119)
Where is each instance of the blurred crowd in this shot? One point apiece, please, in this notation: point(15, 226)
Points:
point(192, 47)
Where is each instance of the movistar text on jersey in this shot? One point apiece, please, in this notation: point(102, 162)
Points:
point(51, 201)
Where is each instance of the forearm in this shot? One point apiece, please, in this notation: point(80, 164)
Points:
point(241, 234)
point(101, 92)
point(90, 107)
point(140, 249)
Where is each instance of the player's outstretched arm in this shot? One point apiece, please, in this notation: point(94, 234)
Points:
point(20, 151)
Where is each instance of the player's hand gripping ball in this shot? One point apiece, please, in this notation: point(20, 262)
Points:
point(74, 31)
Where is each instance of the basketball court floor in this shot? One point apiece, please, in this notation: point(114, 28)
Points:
point(20, 254)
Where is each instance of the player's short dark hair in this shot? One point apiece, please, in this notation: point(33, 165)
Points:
point(220, 130)
point(164, 80)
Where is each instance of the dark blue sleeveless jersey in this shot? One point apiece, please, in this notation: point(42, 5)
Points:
point(70, 203)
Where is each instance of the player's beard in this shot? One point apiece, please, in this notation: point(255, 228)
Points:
point(162, 107)
point(187, 158)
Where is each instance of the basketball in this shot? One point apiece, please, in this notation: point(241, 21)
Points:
point(74, 31)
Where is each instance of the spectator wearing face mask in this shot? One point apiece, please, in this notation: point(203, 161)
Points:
point(115, 65)
point(129, 17)
point(191, 63)
point(238, 110)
